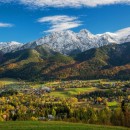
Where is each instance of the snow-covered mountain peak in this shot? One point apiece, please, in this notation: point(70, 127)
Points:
point(107, 34)
point(14, 43)
point(68, 42)
point(6, 47)
point(123, 32)
point(84, 31)
point(61, 33)
point(123, 35)
point(10, 43)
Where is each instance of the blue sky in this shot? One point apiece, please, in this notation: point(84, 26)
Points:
point(28, 20)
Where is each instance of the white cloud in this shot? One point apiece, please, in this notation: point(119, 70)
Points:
point(67, 3)
point(4, 25)
point(60, 22)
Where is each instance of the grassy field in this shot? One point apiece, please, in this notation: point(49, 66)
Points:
point(111, 104)
point(35, 125)
point(8, 81)
point(72, 91)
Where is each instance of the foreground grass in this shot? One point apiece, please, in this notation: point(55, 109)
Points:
point(35, 125)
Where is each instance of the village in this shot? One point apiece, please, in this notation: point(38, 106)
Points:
point(100, 92)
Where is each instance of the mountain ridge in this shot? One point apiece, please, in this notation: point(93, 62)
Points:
point(42, 64)
point(69, 42)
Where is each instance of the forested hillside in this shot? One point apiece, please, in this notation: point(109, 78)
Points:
point(43, 63)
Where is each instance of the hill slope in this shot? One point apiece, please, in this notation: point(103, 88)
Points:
point(32, 63)
point(42, 63)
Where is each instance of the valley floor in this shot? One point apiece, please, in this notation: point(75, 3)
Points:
point(89, 101)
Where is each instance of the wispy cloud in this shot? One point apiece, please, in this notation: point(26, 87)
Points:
point(5, 1)
point(5, 25)
point(60, 22)
point(67, 3)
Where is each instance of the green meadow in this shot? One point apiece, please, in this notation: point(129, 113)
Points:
point(53, 125)
point(72, 92)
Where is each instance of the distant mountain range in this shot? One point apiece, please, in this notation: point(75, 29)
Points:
point(70, 43)
point(44, 63)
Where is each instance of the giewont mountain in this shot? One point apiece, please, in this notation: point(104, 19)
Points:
point(69, 43)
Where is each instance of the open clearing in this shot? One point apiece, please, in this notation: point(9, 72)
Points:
point(72, 92)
